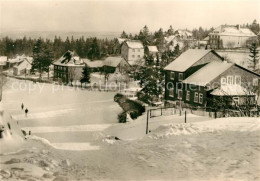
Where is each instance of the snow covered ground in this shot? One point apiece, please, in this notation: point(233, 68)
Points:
point(219, 149)
point(67, 145)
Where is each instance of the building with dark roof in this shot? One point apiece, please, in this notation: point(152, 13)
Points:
point(68, 68)
point(197, 75)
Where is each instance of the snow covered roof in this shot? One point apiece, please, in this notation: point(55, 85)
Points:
point(231, 90)
point(121, 40)
point(207, 73)
point(93, 64)
point(69, 59)
point(169, 38)
point(24, 64)
point(183, 33)
point(152, 49)
point(232, 30)
point(113, 61)
point(3, 60)
point(134, 44)
point(186, 60)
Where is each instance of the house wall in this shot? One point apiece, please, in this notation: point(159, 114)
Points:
point(131, 54)
point(246, 77)
point(66, 72)
point(234, 41)
point(210, 57)
point(122, 67)
point(124, 51)
point(194, 89)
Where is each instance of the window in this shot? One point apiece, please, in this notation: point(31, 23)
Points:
point(236, 100)
point(133, 56)
point(133, 50)
point(188, 95)
point(255, 82)
point(172, 75)
point(180, 94)
point(201, 98)
point(229, 80)
point(223, 81)
point(138, 50)
point(180, 76)
point(138, 56)
point(238, 80)
point(171, 92)
point(196, 97)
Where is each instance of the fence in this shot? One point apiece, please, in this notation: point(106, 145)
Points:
point(206, 112)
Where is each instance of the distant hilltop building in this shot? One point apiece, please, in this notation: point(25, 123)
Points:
point(132, 50)
point(230, 36)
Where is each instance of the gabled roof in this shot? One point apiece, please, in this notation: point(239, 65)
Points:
point(187, 59)
point(25, 63)
point(152, 49)
point(231, 90)
point(69, 59)
point(113, 61)
point(134, 44)
point(93, 64)
point(207, 73)
point(233, 30)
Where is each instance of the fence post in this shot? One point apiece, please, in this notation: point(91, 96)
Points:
point(161, 111)
point(150, 113)
point(147, 121)
point(185, 117)
point(180, 112)
point(215, 115)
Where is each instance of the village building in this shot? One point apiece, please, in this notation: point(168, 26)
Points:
point(94, 66)
point(132, 50)
point(199, 76)
point(68, 68)
point(3, 61)
point(230, 36)
point(116, 65)
point(152, 50)
point(23, 67)
point(183, 34)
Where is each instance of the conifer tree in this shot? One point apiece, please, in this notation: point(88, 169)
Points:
point(254, 55)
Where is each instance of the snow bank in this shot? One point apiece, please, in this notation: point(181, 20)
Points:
point(65, 146)
point(75, 128)
point(228, 124)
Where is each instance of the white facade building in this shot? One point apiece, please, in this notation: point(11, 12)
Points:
point(132, 51)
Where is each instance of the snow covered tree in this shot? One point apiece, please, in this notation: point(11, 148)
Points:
point(85, 75)
point(42, 58)
point(254, 55)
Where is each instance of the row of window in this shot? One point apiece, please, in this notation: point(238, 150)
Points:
point(180, 76)
point(138, 56)
point(198, 97)
point(60, 68)
point(231, 80)
point(133, 50)
point(213, 36)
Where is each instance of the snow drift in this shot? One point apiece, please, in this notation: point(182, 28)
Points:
point(228, 124)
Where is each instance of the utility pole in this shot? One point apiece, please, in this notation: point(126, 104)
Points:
point(147, 121)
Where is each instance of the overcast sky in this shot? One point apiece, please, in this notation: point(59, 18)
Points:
point(115, 16)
